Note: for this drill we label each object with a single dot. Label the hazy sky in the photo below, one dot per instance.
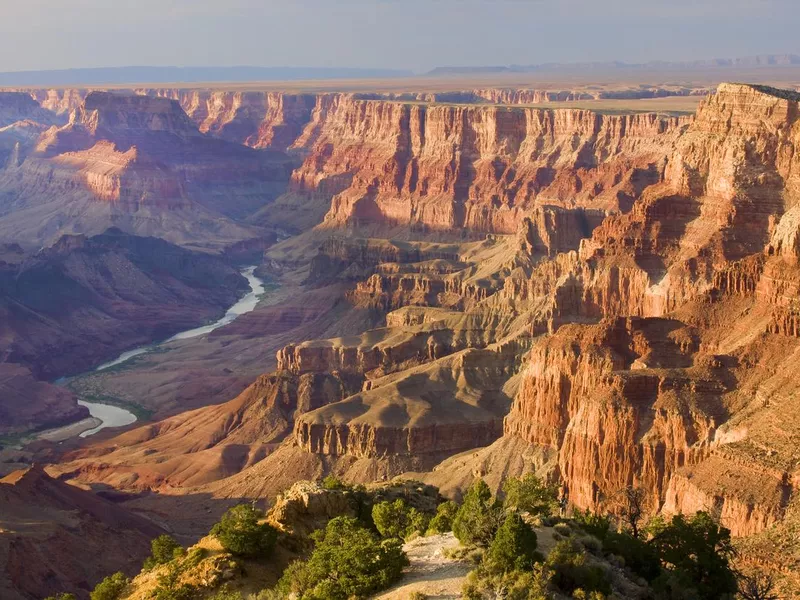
(413, 34)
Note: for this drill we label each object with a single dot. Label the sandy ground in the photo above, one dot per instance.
(59, 434)
(437, 576)
(430, 572)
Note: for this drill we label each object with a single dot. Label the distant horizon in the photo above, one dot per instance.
(621, 62)
(133, 74)
(412, 35)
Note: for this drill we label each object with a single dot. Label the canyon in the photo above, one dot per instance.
(464, 285)
(84, 299)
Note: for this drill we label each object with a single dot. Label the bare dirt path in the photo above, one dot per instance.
(430, 571)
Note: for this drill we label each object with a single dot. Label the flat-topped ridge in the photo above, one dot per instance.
(784, 94)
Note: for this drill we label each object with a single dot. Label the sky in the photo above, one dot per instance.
(405, 34)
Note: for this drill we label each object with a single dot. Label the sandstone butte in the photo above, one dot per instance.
(606, 300)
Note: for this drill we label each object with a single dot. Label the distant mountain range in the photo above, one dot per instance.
(126, 75)
(163, 75)
(762, 60)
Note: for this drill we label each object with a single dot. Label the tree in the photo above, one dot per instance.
(640, 557)
(530, 494)
(442, 522)
(392, 519)
(633, 505)
(479, 516)
(758, 586)
(514, 585)
(241, 533)
(398, 520)
(696, 551)
(162, 550)
(513, 547)
(111, 587)
(348, 561)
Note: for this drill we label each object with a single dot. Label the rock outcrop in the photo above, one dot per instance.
(208, 444)
(256, 119)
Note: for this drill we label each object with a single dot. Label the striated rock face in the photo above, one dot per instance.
(48, 529)
(478, 168)
(450, 405)
(622, 403)
(19, 106)
(536, 96)
(138, 163)
(355, 258)
(60, 101)
(255, 119)
(679, 406)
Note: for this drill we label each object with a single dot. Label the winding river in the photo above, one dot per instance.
(114, 416)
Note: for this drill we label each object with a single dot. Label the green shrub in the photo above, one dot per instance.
(570, 571)
(479, 516)
(563, 529)
(591, 543)
(162, 550)
(584, 595)
(513, 548)
(62, 596)
(442, 522)
(194, 557)
(240, 532)
(398, 520)
(331, 482)
(593, 524)
(418, 522)
(640, 557)
(530, 494)
(418, 596)
(348, 561)
(514, 585)
(111, 587)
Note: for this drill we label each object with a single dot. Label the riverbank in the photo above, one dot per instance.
(106, 415)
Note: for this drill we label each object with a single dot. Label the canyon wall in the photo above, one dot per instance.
(712, 245)
(482, 169)
(639, 327)
(141, 164)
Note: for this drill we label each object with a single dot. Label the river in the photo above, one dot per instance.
(114, 416)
